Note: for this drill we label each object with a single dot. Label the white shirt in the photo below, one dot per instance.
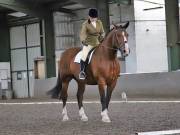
(94, 24)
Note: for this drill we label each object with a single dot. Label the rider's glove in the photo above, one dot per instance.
(84, 43)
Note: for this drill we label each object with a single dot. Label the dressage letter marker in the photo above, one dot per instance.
(167, 132)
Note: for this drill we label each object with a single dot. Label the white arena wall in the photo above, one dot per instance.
(144, 85)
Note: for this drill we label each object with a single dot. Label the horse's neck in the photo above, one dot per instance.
(108, 50)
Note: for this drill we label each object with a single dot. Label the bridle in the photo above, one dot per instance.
(116, 43)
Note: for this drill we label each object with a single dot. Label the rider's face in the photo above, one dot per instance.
(92, 19)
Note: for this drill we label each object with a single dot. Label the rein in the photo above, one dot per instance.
(110, 48)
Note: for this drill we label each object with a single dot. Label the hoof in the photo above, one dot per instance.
(84, 118)
(65, 118)
(83, 115)
(106, 119)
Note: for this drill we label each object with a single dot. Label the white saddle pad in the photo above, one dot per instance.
(79, 56)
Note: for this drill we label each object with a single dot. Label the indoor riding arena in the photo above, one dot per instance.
(35, 36)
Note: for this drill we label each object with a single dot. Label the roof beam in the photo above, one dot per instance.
(57, 5)
(126, 2)
(64, 10)
(87, 3)
(27, 8)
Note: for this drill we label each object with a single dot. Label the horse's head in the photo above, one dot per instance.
(120, 39)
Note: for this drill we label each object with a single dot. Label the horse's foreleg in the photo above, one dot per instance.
(102, 96)
(80, 92)
(108, 97)
(64, 96)
(110, 89)
(104, 113)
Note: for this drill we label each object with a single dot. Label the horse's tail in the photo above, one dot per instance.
(54, 92)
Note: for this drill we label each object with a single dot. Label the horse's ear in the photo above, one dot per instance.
(125, 25)
(114, 25)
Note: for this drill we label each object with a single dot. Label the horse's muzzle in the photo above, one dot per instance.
(125, 51)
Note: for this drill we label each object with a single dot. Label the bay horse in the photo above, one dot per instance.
(103, 70)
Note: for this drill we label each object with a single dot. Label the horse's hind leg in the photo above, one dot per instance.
(64, 96)
(80, 92)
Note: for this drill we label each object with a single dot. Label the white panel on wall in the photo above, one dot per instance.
(4, 78)
(17, 37)
(151, 46)
(18, 60)
(152, 14)
(6, 65)
(33, 35)
(20, 86)
(32, 54)
(31, 83)
(150, 36)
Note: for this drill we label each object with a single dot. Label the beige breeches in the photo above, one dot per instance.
(85, 51)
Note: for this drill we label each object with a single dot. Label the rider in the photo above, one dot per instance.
(92, 33)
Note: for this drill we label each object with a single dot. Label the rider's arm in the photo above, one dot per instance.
(83, 34)
(102, 32)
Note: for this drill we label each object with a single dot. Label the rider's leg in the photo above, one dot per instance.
(85, 52)
(82, 74)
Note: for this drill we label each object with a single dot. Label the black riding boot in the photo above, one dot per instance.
(82, 74)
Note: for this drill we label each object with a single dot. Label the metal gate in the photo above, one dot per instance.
(25, 46)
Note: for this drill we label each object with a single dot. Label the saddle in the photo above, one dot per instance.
(88, 59)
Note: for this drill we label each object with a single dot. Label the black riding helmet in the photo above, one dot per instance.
(93, 13)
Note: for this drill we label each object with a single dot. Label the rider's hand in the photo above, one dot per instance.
(84, 43)
(101, 40)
